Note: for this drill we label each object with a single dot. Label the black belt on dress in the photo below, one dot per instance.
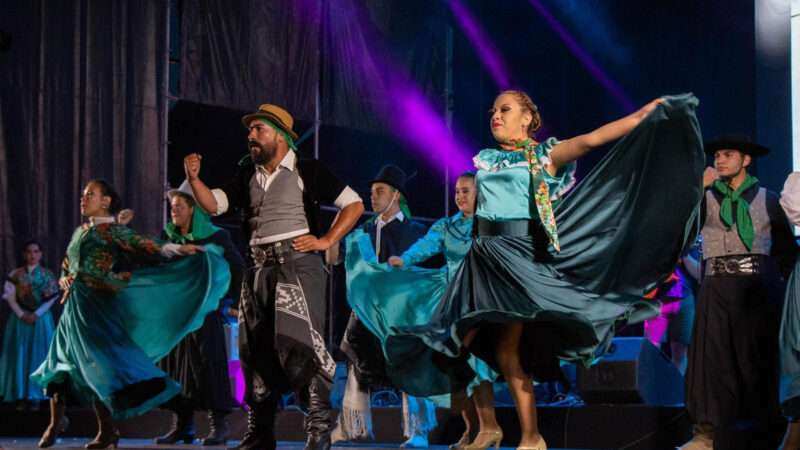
(736, 265)
(275, 253)
(519, 227)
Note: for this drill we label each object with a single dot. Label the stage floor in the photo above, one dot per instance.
(75, 443)
(633, 427)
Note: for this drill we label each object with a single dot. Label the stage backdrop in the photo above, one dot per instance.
(82, 95)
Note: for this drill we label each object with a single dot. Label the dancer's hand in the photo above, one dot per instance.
(709, 176)
(66, 282)
(191, 165)
(396, 261)
(648, 108)
(29, 318)
(310, 243)
(190, 249)
(125, 216)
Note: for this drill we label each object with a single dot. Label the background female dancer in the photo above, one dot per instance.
(199, 362)
(452, 236)
(30, 291)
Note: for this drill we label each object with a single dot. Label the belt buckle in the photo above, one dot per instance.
(732, 266)
(259, 255)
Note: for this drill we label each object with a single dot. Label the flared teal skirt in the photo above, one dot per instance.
(621, 230)
(105, 346)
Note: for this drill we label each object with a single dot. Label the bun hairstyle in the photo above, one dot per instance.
(468, 174)
(527, 105)
(108, 190)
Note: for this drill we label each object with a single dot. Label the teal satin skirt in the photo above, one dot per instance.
(24, 349)
(621, 230)
(105, 346)
(386, 299)
(790, 348)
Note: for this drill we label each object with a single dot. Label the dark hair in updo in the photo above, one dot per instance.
(468, 174)
(108, 190)
(527, 105)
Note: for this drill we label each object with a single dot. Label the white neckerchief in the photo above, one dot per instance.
(99, 220)
(379, 224)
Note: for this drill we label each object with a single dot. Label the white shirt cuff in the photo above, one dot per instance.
(790, 198)
(222, 201)
(346, 197)
(170, 250)
(44, 307)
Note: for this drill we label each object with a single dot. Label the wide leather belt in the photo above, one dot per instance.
(522, 227)
(725, 266)
(275, 253)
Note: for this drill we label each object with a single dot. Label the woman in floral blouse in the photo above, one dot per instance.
(121, 314)
(30, 291)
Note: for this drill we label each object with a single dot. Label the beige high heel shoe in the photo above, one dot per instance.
(486, 439)
(541, 445)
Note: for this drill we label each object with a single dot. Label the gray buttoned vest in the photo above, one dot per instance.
(280, 209)
(718, 240)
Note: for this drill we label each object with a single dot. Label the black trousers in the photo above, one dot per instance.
(732, 375)
(281, 324)
(200, 364)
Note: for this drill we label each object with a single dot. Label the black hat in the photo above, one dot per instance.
(393, 176)
(736, 142)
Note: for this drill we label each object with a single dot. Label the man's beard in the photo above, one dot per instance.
(260, 154)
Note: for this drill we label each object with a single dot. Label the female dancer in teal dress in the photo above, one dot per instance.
(30, 292)
(118, 321)
(790, 327)
(452, 236)
(547, 277)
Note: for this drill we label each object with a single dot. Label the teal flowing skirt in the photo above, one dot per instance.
(621, 229)
(24, 349)
(105, 346)
(386, 298)
(790, 348)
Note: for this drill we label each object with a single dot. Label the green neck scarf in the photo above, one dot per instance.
(201, 228)
(732, 199)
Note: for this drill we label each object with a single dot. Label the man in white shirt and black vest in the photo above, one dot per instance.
(391, 232)
(748, 246)
(283, 306)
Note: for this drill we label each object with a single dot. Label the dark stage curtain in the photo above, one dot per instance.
(82, 96)
(371, 49)
(242, 53)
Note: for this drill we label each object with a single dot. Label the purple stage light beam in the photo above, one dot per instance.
(424, 129)
(584, 58)
(489, 56)
(409, 116)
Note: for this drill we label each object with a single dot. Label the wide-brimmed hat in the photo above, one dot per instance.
(275, 114)
(184, 189)
(393, 176)
(740, 142)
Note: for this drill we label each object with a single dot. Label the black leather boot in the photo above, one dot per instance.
(107, 433)
(260, 433)
(217, 428)
(318, 423)
(182, 429)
